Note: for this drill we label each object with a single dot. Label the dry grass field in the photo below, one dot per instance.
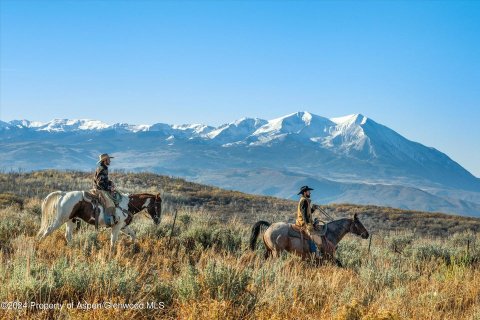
(417, 265)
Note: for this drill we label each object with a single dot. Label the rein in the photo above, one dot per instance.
(325, 213)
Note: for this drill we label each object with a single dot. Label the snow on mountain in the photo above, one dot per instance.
(299, 124)
(127, 127)
(235, 131)
(25, 124)
(65, 125)
(191, 131)
(348, 136)
(353, 150)
(61, 125)
(353, 135)
(349, 119)
(194, 130)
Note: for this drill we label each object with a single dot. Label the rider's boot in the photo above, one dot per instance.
(317, 240)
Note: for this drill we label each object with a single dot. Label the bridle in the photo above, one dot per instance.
(353, 225)
(155, 204)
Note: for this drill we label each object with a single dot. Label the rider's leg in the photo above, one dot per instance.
(313, 247)
(317, 242)
(110, 207)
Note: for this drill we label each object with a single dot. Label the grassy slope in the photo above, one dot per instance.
(225, 204)
(206, 271)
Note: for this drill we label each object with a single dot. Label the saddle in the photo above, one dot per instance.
(91, 195)
(298, 232)
(96, 199)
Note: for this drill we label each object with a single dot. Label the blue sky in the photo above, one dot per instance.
(412, 66)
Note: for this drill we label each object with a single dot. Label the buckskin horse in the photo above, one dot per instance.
(277, 237)
(61, 207)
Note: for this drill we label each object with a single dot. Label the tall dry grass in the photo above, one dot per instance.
(205, 271)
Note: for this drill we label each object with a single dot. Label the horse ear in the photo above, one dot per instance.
(158, 196)
(355, 217)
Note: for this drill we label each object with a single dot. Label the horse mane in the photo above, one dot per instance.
(339, 222)
(144, 194)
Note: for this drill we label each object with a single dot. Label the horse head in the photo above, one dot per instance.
(151, 202)
(157, 209)
(357, 228)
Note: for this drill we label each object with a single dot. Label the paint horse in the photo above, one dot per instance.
(277, 237)
(61, 207)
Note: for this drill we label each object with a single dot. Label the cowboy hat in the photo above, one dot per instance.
(304, 188)
(104, 156)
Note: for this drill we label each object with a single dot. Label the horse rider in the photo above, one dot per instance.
(104, 187)
(305, 220)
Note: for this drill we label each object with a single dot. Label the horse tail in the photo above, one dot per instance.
(50, 210)
(255, 232)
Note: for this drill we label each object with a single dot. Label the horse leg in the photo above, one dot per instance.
(114, 236)
(78, 224)
(128, 231)
(338, 263)
(268, 251)
(54, 226)
(69, 230)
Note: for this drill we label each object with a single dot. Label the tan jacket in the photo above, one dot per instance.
(304, 213)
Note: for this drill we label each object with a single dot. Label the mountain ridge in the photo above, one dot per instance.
(350, 151)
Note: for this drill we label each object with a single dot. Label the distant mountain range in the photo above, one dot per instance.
(348, 159)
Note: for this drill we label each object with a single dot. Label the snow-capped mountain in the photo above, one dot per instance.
(60, 125)
(348, 159)
(300, 126)
(236, 131)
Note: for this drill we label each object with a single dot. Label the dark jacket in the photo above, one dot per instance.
(101, 181)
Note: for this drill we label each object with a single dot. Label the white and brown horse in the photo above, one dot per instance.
(277, 237)
(61, 207)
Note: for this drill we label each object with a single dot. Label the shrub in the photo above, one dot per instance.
(187, 284)
(398, 243)
(9, 199)
(426, 252)
(219, 237)
(87, 240)
(13, 223)
(153, 231)
(162, 292)
(224, 282)
(197, 235)
(226, 239)
(185, 219)
(349, 253)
